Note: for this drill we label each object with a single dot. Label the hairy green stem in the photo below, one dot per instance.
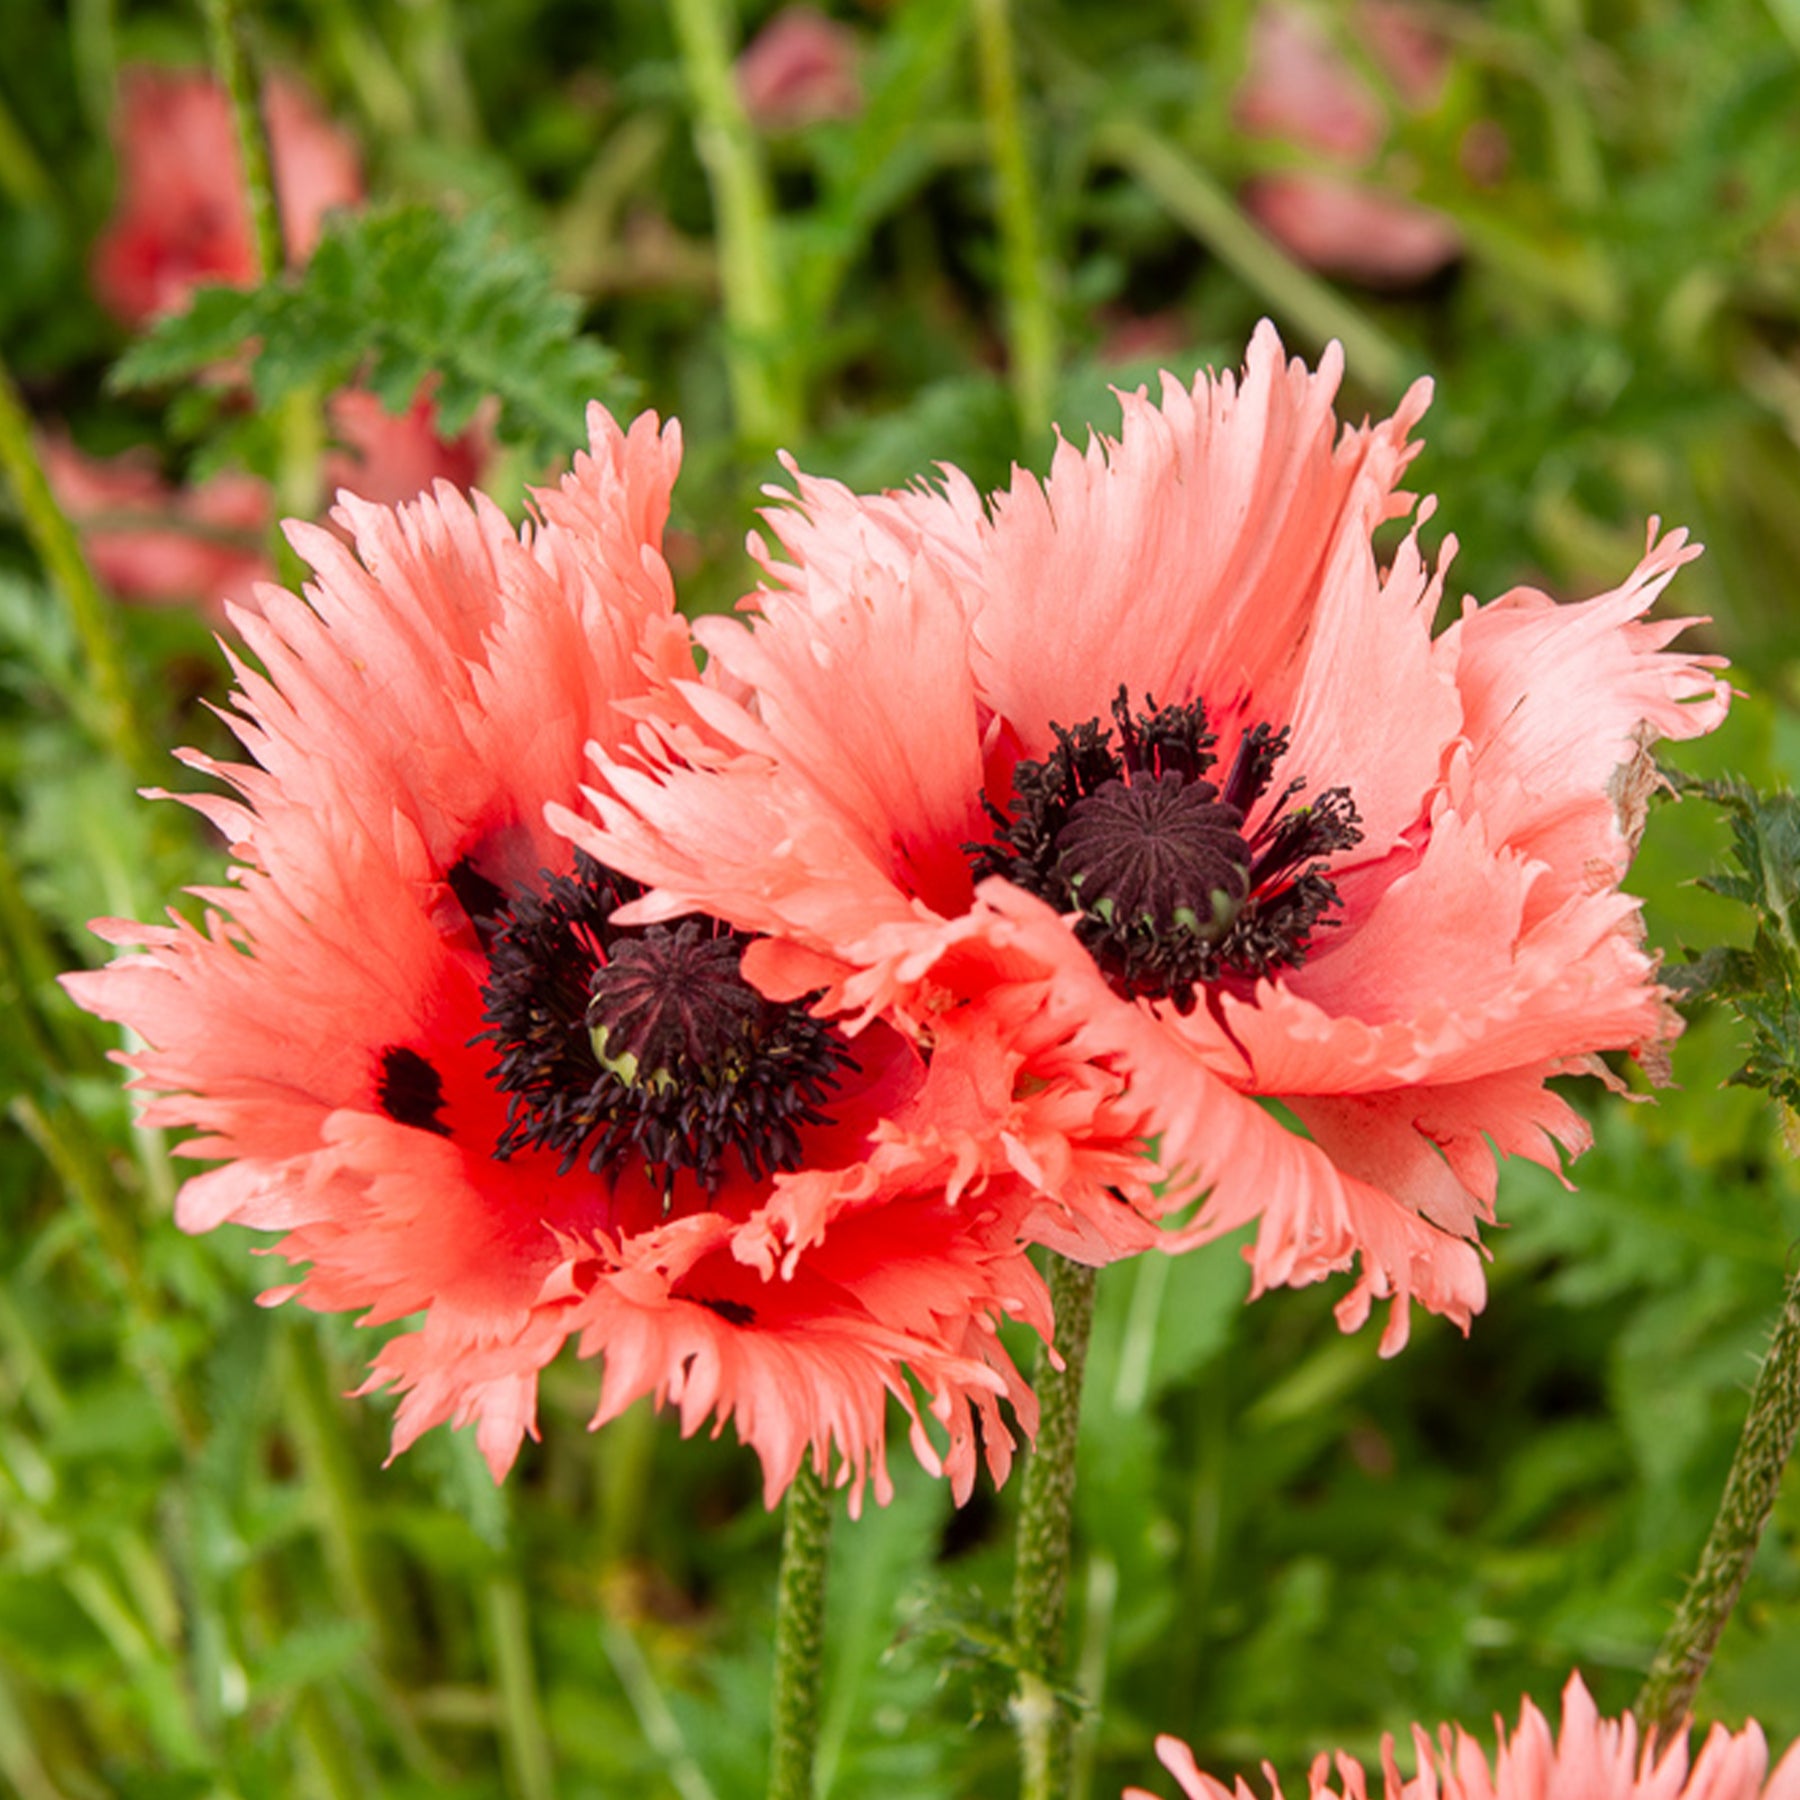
(59, 550)
(1308, 304)
(1030, 313)
(231, 63)
(1751, 1490)
(1041, 1570)
(763, 391)
(799, 1635)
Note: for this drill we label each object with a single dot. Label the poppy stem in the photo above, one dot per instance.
(231, 63)
(1751, 1490)
(763, 391)
(799, 1635)
(1041, 1710)
(1030, 309)
(114, 716)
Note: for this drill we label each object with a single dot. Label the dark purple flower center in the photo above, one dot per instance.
(1121, 825)
(642, 1045)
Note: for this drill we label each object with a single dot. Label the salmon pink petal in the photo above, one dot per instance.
(1559, 703)
(1184, 558)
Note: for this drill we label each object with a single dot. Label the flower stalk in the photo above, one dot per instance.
(231, 63)
(799, 1635)
(761, 395)
(1751, 1490)
(1041, 1570)
(1031, 315)
(115, 716)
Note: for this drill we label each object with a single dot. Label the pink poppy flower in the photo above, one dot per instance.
(800, 68)
(416, 1047)
(390, 457)
(1298, 89)
(155, 544)
(1162, 733)
(1591, 1758)
(182, 219)
(182, 222)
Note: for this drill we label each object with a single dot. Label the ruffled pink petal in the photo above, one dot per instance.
(1559, 703)
(409, 723)
(1185, 557)
(1590, 1758)
(891, 1292)
(1370, 638)
(836, 703)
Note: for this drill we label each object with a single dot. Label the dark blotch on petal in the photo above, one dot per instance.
(733, 1312)
(410, 1091)
(480, 898)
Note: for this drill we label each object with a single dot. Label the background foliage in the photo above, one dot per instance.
(210, 1585)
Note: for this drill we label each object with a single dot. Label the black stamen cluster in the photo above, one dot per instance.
(644, 1045)
(1120, 824)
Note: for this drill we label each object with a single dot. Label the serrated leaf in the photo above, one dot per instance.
(393, 300)
(1762, 982)
(216, 324)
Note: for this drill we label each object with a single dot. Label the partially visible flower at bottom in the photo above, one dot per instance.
(1591, 1758)
(415, 1044)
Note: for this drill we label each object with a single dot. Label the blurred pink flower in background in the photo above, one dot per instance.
(155, 543)
(182, 218)
(183, 222)
(1300, 89)
(389, 457)
(158, 544)
(800, 68)
(1590, 1759)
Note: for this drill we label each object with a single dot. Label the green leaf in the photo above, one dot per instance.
(1762, 982)
(395, 299)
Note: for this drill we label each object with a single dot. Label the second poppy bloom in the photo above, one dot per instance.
(1165, 730)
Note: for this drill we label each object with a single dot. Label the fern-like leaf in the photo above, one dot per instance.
(1761, 982)
(392, 298)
